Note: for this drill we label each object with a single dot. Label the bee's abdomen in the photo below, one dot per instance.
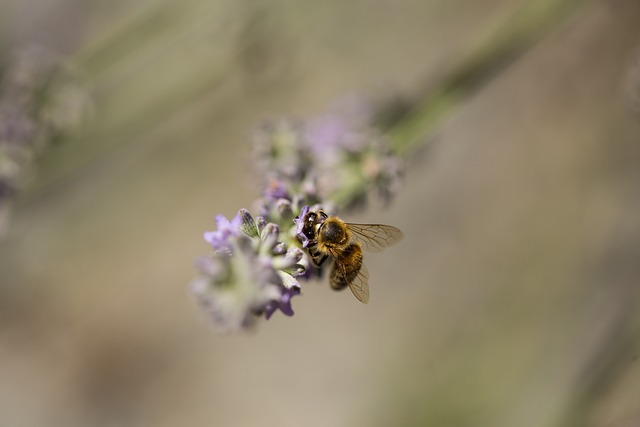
(346, 266)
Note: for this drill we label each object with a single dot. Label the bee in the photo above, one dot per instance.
(331, 237)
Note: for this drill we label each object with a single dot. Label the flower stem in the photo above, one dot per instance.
(490, 57)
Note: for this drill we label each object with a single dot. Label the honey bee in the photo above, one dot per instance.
(329, 236)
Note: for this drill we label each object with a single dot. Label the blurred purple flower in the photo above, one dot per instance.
(250, 272)
(219, 239)
(332, 136)
(41, 99)
(275, 189)
(279, 150)
(283, 303)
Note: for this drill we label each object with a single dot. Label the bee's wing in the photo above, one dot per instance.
(375, 237)
(360, 285)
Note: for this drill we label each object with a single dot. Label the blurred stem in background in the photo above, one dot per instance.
(152, 31)
(477, 69)
(605, 367)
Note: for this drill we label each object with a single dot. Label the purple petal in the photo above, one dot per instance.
(276, 189)
(219, 239)
(284, 303)
(326, 133)
(299, 222)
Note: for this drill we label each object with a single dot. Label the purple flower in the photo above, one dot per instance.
(299, 222)
(346, 129)
(331, 137)
(289, 261)
(40, 101)
(279, 150)
(326, 134)
(234, 287)
(283, 303)
(16, 126)
(276, 189)
(250, 273)
(219, 239)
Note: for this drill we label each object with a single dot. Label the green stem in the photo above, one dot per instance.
(536, 19)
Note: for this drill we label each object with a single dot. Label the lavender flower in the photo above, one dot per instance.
(299, 226)
(233, 288)
(347, 127)
(220, 239)
(334, 162)
(339, 157)
(41, 100)
(279, 150)
(250, 273)
(284, 303)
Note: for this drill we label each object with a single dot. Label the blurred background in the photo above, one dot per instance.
(512, 301)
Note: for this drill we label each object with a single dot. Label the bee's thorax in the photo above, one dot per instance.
(333, 232)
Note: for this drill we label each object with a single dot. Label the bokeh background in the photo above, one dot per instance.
(512, 301)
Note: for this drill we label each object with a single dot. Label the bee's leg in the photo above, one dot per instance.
(318, 259)
(316, 256)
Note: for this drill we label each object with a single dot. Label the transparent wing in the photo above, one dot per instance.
(360, 285)
(375, 237)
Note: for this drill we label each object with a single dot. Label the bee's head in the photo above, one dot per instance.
(309, 225)
(312, 221)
